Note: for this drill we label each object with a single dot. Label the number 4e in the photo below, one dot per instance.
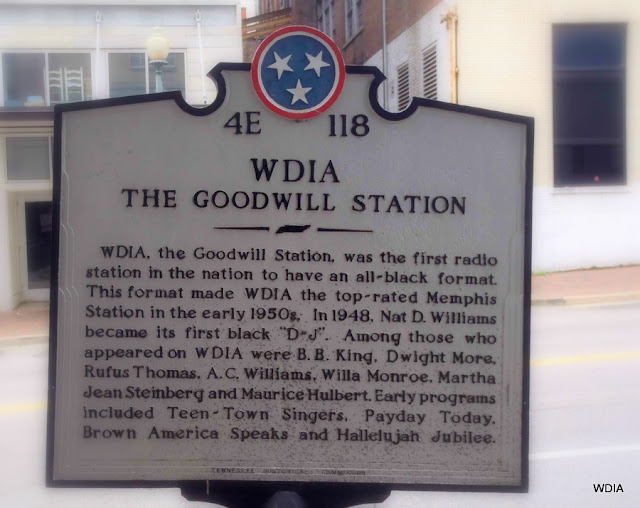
(250, 126)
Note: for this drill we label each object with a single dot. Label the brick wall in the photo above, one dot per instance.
(304, 12)
(249, 48)
(401, 14)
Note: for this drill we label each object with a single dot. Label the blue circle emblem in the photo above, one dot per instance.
(298, 72)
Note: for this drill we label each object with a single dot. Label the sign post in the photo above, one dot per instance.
(290, 288)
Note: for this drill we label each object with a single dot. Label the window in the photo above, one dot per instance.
(403, 86)
(74, 72)
(129, 74)
(353, 18)
(126, 75)
(589, 104)
(325, 17)
(173, 74)
(28, 158)
(430, 73)
(40, 79)
(23, 75)
(137, 60)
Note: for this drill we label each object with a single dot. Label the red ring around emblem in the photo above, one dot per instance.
(340, 72)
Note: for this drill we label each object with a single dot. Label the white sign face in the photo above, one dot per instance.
(246, 296)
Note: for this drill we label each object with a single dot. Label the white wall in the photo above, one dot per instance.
(6, 300)
(505, 64)
(584, 228)
(505, 61)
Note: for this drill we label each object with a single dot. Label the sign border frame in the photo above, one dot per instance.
(216, 75)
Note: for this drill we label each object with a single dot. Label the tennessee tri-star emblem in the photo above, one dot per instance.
(298, 72)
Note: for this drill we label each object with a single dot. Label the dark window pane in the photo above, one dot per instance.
(589, 164)
(39, 227)
(172, 74)
(126, 75)
(23, 75)
(589, 106)
(588, 46)
(27, 158)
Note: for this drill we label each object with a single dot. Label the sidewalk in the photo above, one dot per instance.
(598, 285)
(30, 321)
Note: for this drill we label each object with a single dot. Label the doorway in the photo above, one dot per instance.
(36, 227)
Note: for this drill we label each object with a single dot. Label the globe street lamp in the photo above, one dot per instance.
(157, 51)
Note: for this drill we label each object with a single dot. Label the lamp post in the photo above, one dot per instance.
(157, 51)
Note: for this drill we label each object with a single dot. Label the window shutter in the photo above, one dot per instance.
(430, 73)
(403, 86)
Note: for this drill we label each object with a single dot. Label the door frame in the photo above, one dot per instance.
(27, 294)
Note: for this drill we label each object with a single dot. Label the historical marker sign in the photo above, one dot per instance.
(291, 284)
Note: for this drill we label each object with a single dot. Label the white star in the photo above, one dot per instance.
(281, 64)
(316, 63)
(299, 93)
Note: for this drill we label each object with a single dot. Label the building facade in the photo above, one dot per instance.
(570, 64)
(573, 66)
(266, 16)
(52, 53)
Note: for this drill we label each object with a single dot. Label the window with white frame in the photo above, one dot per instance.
(129, 74)
(404, 97)
(28, 158)
(45, 78)
(353, 18)
(326, 22)
(430, 73)
(589, 104)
